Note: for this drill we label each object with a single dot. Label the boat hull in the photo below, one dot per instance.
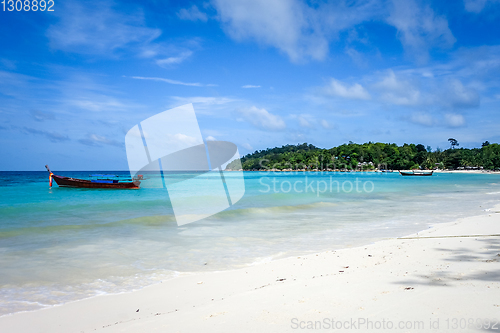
(75, 182)
(415, 174)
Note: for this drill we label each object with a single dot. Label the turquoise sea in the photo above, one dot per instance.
(63, 244)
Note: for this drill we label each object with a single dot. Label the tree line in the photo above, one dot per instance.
(372, 155)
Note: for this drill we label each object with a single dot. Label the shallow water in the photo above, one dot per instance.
(63, 244)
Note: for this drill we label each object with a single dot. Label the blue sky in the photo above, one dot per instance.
(259, 74)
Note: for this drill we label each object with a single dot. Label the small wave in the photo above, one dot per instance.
(273, 209)
(264, 260)
(154, 220)
(13, 298)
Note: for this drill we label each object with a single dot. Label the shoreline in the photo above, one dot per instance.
(275, 292)
(489, 172)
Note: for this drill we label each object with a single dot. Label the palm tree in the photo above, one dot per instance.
(453, 142)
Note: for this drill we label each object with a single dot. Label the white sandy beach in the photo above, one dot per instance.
(429, 282)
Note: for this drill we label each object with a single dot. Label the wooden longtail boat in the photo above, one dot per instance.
(413, 173)
(94, 183)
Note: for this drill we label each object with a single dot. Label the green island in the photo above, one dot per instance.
(371, 156)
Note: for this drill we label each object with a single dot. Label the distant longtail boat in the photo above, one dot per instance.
(417, 173)
(93, 183)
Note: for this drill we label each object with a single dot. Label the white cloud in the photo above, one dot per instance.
(95, 28)
(97, 103)
(181, 140)
(300, 30)
(210, 138)
(9, 64)
(325, 124)
(192, 14)
(99, 140)
(460, 96)
(101, 28)
(62, 99)
(42, 116)
(448, 119)
(166, 55)
(419, 28)
(247, 146)
(219, 107)
(356, 56)
(196, 84)
(303, 122)
(454, 120)
(337, 88)
(52, 136)
(303, 30)
(480, 62)
(249, 86)
(296, 136)
(423, 119)
(204, 100)
(280, 23)
(397, 91)
(477, 6)
(174, 60)
(14, 84)
(262, 119)
(423, 94)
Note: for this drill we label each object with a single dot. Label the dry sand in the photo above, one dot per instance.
(434, 282)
